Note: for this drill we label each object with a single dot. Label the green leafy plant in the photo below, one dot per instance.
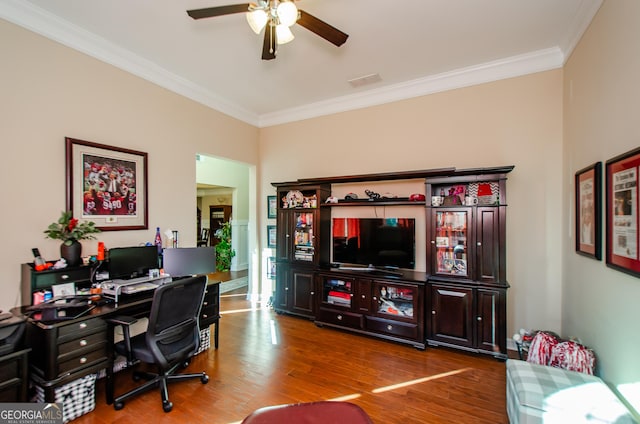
(69, 229)
(224, 252)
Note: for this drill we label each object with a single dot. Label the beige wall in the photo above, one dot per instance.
(601, 104)
(510, 122)
(50, 92)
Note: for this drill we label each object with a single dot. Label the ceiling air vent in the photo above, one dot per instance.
(364, 80)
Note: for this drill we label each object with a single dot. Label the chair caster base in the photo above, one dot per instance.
(118, 406)
(167, 406)
(204, 379)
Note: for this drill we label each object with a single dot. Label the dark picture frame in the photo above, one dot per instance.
(272, 206)
(107, 185)
(588, 188)
(271, 236)
(622, 212)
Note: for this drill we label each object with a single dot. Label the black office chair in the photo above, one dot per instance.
(204, 238)
(172, 337)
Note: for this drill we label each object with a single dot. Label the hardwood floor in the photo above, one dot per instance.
(268, 359)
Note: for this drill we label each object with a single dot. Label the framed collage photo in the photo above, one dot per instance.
(107, 185)
(272, 206)
(271, 236)
(588, 186)
(622, 212)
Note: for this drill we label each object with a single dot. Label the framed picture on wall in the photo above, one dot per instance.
(107, 185)
(271, 268)
(588, 186)
(622, 212)
(271, 236)
(272, 206)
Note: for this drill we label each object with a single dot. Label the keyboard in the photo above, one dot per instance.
(140, 287)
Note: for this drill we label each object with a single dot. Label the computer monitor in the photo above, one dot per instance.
(132, 262)
(186, 261)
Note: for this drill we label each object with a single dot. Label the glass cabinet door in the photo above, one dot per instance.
(395, 300)
(337, 292)
(451, 242)
(303, 242)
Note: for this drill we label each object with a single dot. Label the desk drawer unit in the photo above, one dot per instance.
(13, 377)
(210, 312)
(68, 348)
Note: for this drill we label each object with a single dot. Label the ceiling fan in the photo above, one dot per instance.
(275, 16)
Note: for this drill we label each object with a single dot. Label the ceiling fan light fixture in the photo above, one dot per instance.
(283, 34)
(257, 20)
(287, 13)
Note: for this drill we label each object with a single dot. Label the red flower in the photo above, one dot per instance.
(72, 224)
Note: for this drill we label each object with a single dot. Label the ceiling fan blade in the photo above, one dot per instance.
(269, 43)
(210, 12)
(323, 29)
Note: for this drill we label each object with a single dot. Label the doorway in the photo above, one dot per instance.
(218, 215)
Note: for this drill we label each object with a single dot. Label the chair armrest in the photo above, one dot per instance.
(122, 320)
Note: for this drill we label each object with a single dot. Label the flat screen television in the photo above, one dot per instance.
(186, 261)
(132, 262)
(380, 242)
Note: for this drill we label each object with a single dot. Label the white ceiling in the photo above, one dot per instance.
(416, 46)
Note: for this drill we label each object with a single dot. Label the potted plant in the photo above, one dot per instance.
(224, 252)
(70, 230)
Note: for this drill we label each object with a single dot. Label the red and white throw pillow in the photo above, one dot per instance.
(572, 356)
(541, 347)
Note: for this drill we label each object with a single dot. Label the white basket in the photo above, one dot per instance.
(77, 398)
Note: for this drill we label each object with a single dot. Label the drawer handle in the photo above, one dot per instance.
(479, 243)
(350, 294)
(364, 296)
(375, 298)
(205, 316)
(64, 276)
(433, 312)
(312, 293)
(339, 317)
(83, 325)
(479, 318)
(433, 242)
(389, 327)
(205, 303)
(83, 342)
(83, 360)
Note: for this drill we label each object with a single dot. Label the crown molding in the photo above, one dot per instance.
(50, 26)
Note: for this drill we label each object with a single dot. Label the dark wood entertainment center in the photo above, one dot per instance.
(459, 301)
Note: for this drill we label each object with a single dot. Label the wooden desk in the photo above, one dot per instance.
(64, 351)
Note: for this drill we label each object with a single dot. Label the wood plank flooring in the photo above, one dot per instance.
(269, 359)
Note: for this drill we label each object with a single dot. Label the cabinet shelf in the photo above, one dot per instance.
(401, 201)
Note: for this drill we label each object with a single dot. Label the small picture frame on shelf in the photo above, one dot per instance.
(588, 191)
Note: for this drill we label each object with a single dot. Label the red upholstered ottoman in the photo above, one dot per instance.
(324, 412)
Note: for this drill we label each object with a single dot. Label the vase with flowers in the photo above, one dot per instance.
(70, 230)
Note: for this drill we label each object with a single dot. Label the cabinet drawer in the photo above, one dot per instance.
(46, 279)
(82, 342)
(345, 319)
(394, 328)
(9, 370)
(79, 329)
(209, 313)
(84, 359)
